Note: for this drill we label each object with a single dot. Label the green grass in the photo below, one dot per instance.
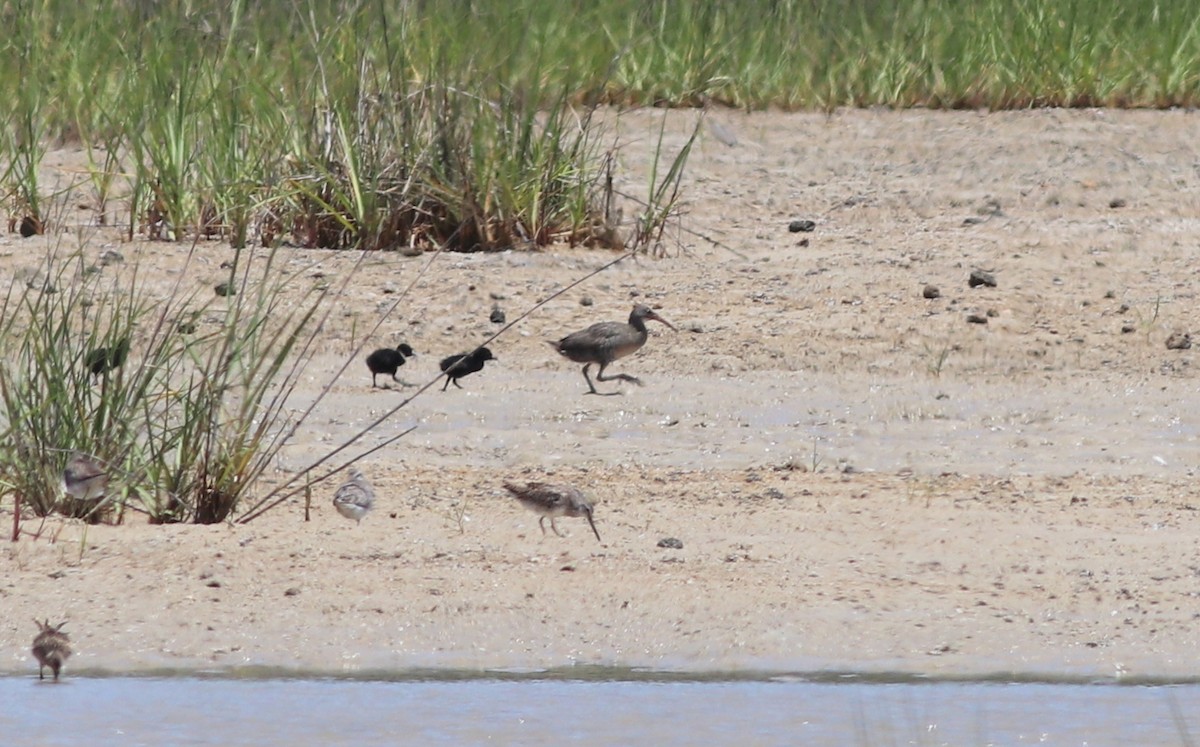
(464, 124)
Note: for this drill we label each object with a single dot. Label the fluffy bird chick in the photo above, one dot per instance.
(104, 359)
(457, 366)
(51, 647)
(84, 479)
(354, 498)
(388, 361)
(551, 501)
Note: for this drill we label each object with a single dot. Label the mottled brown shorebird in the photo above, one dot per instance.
(355, 497)
(388, 361)
(51, 648)
(457, 366)
(84, 478)
(605, 342)
(548, 500)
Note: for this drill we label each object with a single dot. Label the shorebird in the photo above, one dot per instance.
(457, 366)
(84, 478)
(51, 647)
(355, 497)
(104, 359)
(388, 361)
(550, 500)
(605, 342)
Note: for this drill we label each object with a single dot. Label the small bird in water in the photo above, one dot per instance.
(104, 359)
(457, 366)
(550, 500)
(605, 342)
(51, 648)
(84, 478)
(355, 497)
(388, 361)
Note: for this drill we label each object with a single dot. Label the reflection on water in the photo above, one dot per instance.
(529, 710)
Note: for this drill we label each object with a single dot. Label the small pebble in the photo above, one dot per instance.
(931, 291)
(976, 319)
(802, 226)
(670, 543)
(224, 289)
(498, 316)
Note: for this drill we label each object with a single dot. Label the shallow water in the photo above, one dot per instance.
(754, 419)
(529, 710)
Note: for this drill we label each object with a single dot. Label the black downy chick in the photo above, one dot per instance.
(457, 366)
(104, 359)
(388, 361)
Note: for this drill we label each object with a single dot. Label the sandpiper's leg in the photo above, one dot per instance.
(401, 381)
(542, 524)
(622, 376)
(588, 379)
(555, 527)
(456, 384)
(448, 380)
(600, 377)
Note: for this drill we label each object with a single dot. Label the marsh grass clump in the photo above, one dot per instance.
(418, 126)
(182, 428)
(334, 126)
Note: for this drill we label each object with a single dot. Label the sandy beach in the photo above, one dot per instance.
(862, 474)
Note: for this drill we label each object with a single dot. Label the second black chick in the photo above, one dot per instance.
(388, 361)
(457, 366)
(104, 359)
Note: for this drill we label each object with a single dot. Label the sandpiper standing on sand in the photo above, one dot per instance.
(605, 342)
(355, 497)
(51, 648)
(550, 500)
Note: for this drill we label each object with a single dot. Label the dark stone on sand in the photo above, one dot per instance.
(981, 277)
(976, 319)
(670, 543)
(224, 289)
(1179, 341)
(802, 226)
(931, 291)
(1117, 202)
(30, 226)
(498, 316)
